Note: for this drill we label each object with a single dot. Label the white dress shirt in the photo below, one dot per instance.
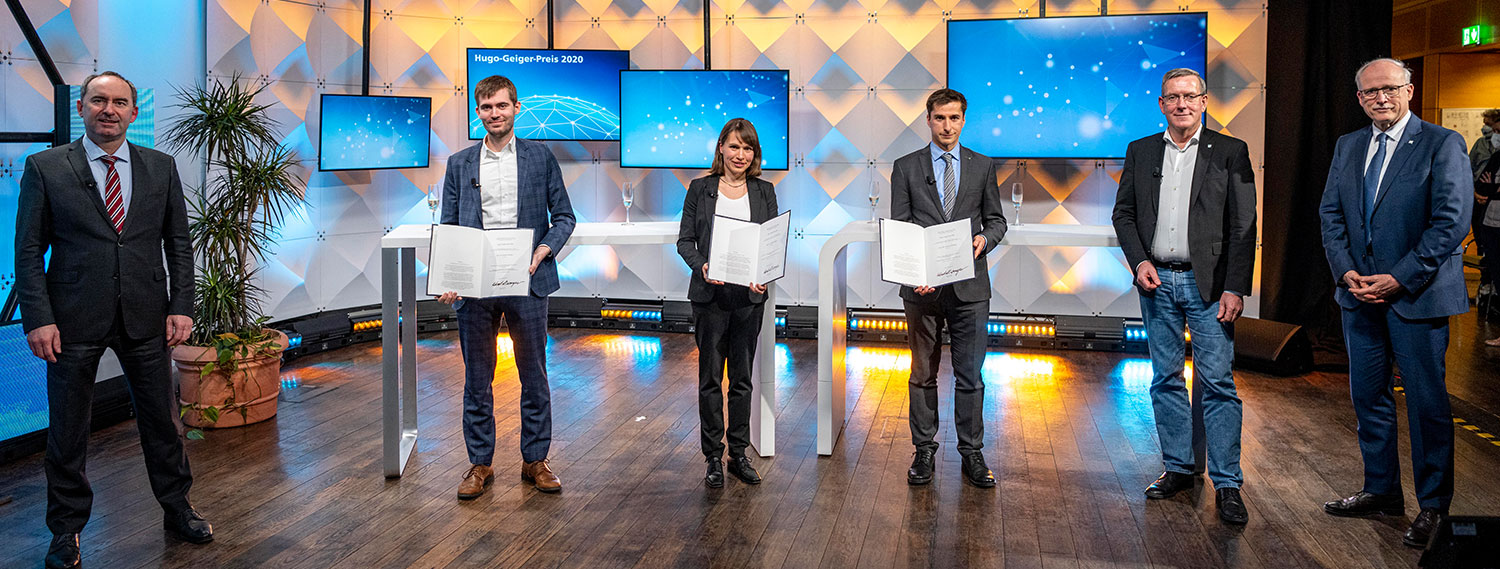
(1390, 147)
(499, 187)
(100, 171)
(1170, 244)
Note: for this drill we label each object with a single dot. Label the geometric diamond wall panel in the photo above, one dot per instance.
(860, 74)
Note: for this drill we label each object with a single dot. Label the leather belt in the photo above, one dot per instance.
(1183, 267)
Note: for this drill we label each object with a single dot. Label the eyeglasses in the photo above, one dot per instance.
(1189, 98)
(1389, 92)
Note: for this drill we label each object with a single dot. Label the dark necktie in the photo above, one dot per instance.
(1372, 181)
(114, 200)
(950, 186)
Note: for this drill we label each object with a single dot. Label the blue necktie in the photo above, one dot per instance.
(1372, 182)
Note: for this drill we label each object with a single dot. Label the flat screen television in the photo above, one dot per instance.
(23, 388)
(671, 119)
(368, 132)
(1068, 87)
(565, 94)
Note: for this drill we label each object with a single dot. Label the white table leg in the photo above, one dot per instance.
(763, 374)
(408, 323)
(398, 357)
(833, 329)
(390, 371)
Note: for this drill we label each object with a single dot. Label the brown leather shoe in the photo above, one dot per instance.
(539, 474)
(475, 481)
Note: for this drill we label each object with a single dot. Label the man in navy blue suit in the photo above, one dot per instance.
(1395, 212)
(507, 182)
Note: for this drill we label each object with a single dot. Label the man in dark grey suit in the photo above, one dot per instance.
(507, 182)
(940, 183)
(1185, 216)
(108, 212)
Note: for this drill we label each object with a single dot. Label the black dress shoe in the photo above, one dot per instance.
(921, 466)
(976, 472)
(63, 553)
(1422, 528)
(1231, 506)
(1169, 484)
(1365, 504)
(188, 526)
(741, 468)
(715, 476)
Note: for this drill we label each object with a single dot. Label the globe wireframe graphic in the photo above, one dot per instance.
(559, 117)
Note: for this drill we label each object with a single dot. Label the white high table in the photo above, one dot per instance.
(398, 263)
(833, 303)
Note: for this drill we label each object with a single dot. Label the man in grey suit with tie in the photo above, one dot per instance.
(507, 182)
(108, 212)
(939, 183)
(1395, 212)
(1185, 216)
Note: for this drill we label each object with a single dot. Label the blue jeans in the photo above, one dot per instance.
(1175, 303)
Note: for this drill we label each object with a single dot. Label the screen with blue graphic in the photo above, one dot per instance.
(565, 94)
(369, 133)
(671, 119)
(1070, 87)
(23, 386)
(142, 132)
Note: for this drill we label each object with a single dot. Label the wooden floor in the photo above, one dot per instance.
(1069, 436)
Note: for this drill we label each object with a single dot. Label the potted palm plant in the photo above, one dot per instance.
(230, 367)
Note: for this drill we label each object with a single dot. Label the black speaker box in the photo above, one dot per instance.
(1273, 347)
(325, 326)
(572, 307)
(1464, 542)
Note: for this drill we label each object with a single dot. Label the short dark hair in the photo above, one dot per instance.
(1492, 115)
(488, 86)
(84, 93)
(944, 96)
(746, 132)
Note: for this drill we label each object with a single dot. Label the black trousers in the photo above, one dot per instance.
(727, 330)
(967, 337)
(1488, 239)
(70, 401)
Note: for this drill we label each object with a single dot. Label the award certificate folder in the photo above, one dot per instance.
(745, 253)
(477, 263)
(918, 256)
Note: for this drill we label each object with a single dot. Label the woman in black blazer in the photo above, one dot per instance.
(727, 316)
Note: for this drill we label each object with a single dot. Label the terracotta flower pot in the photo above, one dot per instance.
(254, 385)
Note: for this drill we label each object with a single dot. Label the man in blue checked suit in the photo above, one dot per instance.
(1395, 212)
(507, 182)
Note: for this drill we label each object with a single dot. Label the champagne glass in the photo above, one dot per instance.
(874, 200)
(432, 200)
(627, 197)
(1015, 198)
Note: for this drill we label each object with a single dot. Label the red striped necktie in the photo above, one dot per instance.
(114, 199)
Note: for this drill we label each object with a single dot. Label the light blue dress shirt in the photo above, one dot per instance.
(940, 169)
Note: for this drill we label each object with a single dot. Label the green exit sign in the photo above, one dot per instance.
(1471, 36)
